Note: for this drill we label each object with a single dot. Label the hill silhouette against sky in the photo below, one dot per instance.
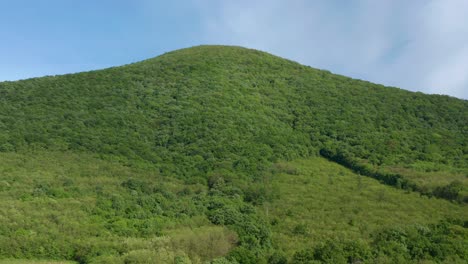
(212, 139)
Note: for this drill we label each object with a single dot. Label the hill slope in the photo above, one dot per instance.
(220, 118)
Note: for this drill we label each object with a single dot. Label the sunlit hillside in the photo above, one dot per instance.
(219, 154)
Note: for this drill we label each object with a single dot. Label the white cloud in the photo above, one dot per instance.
(451, 73)
(415, 45)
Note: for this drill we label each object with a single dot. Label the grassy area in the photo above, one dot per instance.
(80, 207)
(430, 175)
(31, 261)
(324, 200)
(77, 206)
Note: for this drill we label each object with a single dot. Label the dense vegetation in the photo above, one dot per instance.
(189, 157)
(330, 214)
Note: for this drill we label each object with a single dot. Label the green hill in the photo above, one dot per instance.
(226, 153)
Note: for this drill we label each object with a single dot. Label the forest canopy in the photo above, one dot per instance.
(200, 139)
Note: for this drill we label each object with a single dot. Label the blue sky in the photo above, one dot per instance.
(418, 45)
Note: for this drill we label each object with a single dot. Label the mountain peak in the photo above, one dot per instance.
(233, 148)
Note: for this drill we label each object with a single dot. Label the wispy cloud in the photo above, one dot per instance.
(415, 45)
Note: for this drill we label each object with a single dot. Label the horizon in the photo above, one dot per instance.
(416, 47)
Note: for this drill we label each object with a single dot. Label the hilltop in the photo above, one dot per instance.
(203, 139)
(190, 110)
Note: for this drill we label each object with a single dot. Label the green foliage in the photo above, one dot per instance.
(339, 252)
(300, 229)
(186, 158)
(243, 255)
(108, 213)
(346, 222)
(441, 242)
(278, 258)
(413, 244)
(450, 191)
(214, 108)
